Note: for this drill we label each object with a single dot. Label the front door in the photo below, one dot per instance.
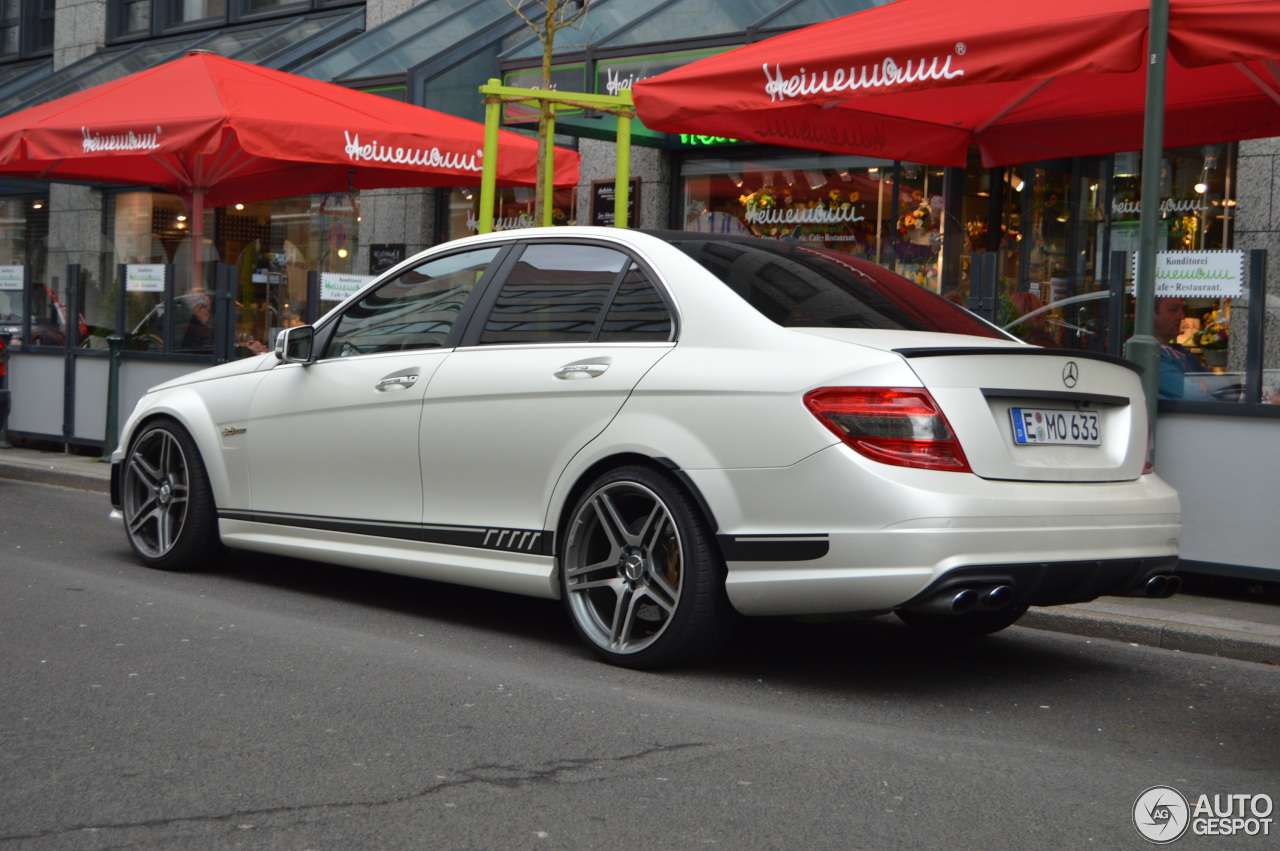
(334, 444)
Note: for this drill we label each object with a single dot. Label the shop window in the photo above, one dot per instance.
(24, 231)
(273, 248)
(895, 216)
(1200, 324)
(513, 208)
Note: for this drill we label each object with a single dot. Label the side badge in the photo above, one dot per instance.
(232, 431)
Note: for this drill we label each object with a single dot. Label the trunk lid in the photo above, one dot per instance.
(1025, 413)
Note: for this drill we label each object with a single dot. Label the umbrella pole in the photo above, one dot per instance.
(1143, 348)
(197, 239)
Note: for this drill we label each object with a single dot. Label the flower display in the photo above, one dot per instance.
(1216, 333)
(917, 218)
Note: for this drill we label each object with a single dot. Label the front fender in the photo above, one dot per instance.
(215, 414)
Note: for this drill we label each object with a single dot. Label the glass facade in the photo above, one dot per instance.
(272, 248)
(894, 214)
(513, 208)
(24, 233)
(1045, 250)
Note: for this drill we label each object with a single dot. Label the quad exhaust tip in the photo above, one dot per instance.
(1162, 587)
(957, 602)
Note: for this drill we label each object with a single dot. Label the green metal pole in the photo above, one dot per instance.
(112, 436)
(549, 171)
(622, 178)
(489, 169)
(1143, 348)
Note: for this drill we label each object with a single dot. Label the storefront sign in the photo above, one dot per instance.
(703, 141)
(614, 75)
(383, 257)
(144, 278)
(886, 74)
(1120, 207)
(523, 220)
(336, 287)
(1207, 274)
(564, 78)
(11, 277)
(802, 215)
(602, 202)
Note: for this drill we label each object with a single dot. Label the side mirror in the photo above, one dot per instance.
(293, 345)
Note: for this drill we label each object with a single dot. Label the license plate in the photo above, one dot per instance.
(1044, 427)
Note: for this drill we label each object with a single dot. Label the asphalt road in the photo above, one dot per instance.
(288, 705)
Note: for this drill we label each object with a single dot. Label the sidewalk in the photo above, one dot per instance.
(1213, 617)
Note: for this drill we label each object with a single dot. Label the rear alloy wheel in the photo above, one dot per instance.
(967, 625)
(167, 503)
(642, 577)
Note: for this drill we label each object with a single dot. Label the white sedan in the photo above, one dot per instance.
(664, 430)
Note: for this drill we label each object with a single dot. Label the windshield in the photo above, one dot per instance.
(802, 287)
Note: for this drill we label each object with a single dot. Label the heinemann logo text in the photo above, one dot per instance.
(887, 73)
(128, 141)
(426, 157)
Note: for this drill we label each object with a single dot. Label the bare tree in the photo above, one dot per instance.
(555, 15)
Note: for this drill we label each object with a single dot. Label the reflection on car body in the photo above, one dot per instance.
(664, 430)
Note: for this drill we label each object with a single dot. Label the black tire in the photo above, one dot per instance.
(967, 625)
(641, 575)
(168, 507)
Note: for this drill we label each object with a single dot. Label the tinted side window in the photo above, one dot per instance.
(414, 310)
(637, 313)
(554, 294)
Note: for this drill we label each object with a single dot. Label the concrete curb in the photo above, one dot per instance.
(49, 475)
(1150, 632)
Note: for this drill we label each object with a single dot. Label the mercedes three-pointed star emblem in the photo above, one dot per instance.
(1070, 374)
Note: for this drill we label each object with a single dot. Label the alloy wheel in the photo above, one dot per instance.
(156, 488)
(624, 567)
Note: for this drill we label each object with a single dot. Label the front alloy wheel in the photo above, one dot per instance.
(642, 578)
(167, 504)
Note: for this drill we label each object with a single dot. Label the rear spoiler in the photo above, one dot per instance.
(955, 351)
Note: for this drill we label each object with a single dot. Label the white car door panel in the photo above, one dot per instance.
(338, 438)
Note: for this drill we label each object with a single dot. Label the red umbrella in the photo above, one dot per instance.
(217, 131)
(922, 80)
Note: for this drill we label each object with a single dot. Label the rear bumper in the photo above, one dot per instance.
(837, 533)
(1052, 583)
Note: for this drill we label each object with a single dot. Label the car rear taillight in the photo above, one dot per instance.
(1149, 463)
(894, 425)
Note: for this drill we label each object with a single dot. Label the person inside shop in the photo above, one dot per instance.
(198, 334)
(1175, 361)
(1035, 330)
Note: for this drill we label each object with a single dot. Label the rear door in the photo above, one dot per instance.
(547, 362)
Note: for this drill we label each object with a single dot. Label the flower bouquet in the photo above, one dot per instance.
(1216, 334)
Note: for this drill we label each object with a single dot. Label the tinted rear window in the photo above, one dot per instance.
(802, 287)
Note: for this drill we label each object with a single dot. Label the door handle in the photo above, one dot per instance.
(581, 369)
(396, 382)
